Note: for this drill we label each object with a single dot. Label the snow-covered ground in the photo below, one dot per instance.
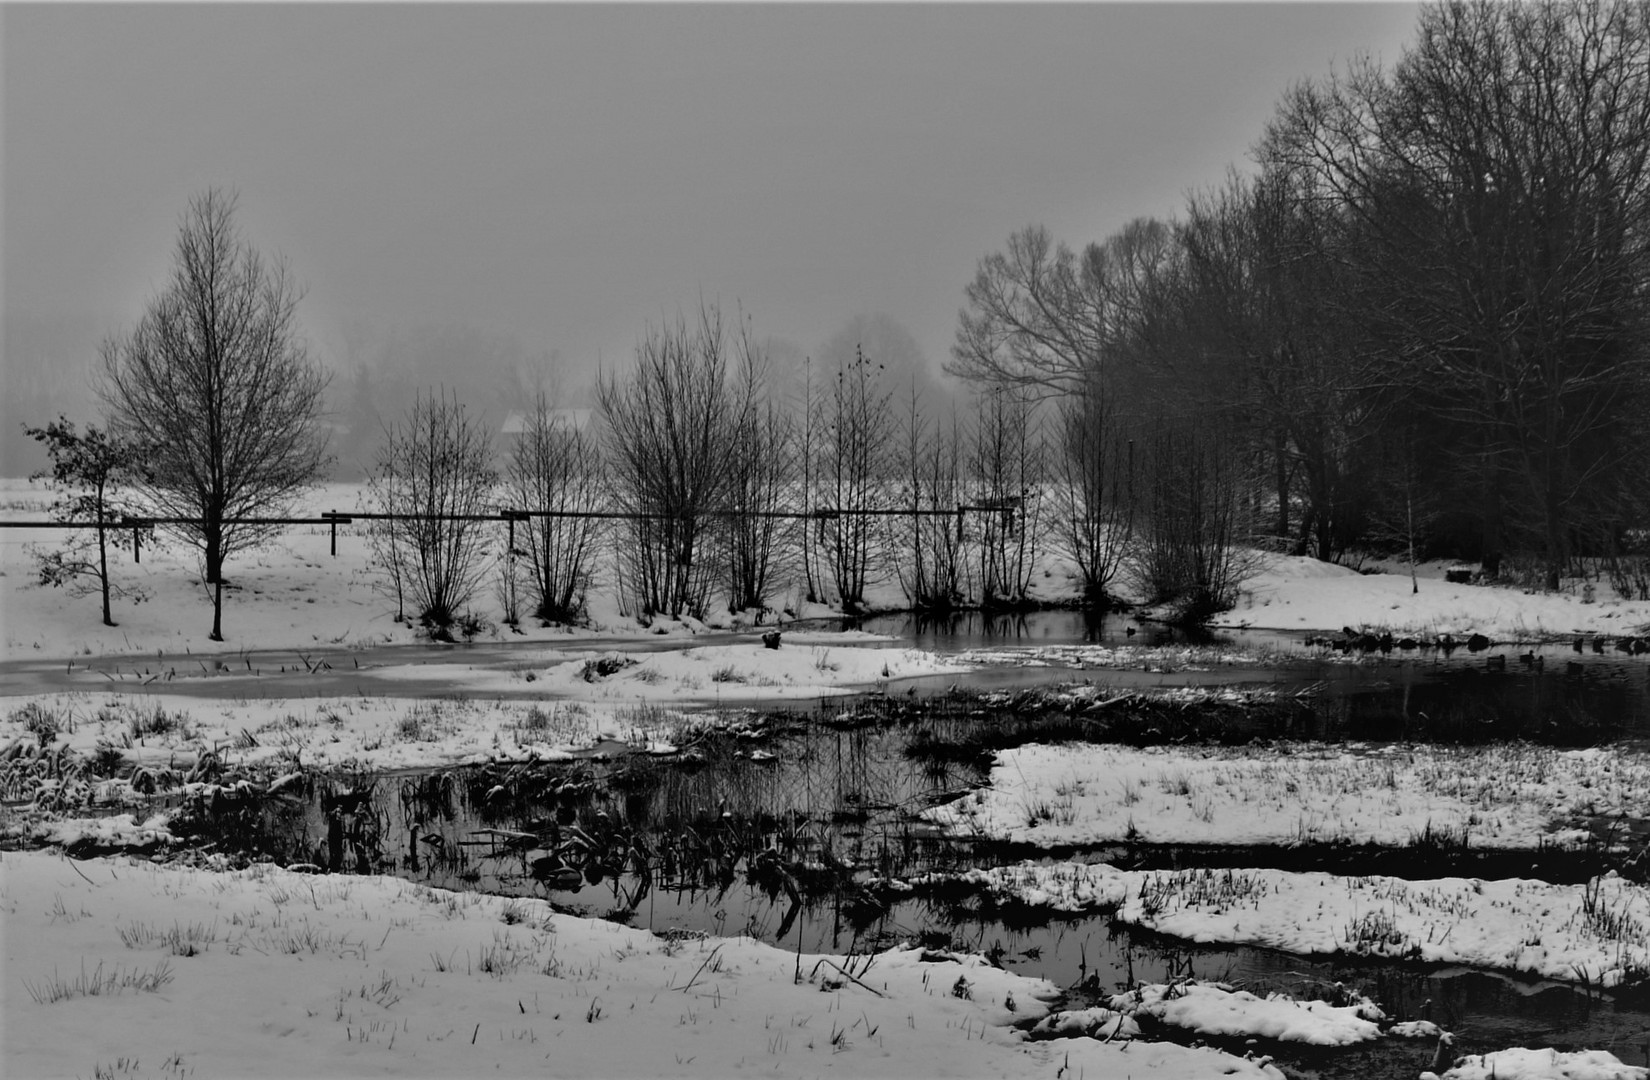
(1504, 795)
(1520, 1063)
(1220, 1010)
(1598, 932)
(118, 967)
(123, 967)
(1296, 593)
(293, 594)
(573, 706)
(805, 665)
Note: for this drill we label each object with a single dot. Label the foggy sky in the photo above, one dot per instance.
(562, 175)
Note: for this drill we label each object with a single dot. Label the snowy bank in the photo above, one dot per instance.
(169, 971)
(1597, 933)
(1296, 593)
(1505, 795)
(1522, 1064)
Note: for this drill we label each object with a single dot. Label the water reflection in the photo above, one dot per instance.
(958, 631)
(790, 840)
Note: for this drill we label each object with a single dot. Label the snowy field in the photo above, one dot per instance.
(293, 594)
(119, 967)
(1297, 593)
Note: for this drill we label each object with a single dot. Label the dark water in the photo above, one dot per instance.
(1400, 694)
(789, 839)
(962, 630)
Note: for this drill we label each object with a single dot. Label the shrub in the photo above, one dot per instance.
(433, 472)
(37, 721)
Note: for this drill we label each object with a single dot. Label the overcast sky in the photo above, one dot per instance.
(564, 174)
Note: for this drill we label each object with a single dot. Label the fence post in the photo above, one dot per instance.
(336, 519)
(510, 518)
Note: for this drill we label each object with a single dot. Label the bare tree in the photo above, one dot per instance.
(89, 471)
(760, 477)
(1006, 462)
(1042, 316)
(554, 466)
(434, 472)
(1094, 488)
(668, 431)
(855, 470)
(1190, 555)
(1406, 505)
(932, 574)
(811, 425)
(217, 380)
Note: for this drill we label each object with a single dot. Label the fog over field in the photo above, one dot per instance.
(492, 196)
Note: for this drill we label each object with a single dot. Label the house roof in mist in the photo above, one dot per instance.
(574, 419)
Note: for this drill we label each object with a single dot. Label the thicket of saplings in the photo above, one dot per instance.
(725, 493)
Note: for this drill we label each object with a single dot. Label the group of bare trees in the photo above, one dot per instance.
(725, 493)
(436, 484)
(1421, 324)
(734, 487)
(727, 488)
(215, 420)
(690, 457)
(1143, 485)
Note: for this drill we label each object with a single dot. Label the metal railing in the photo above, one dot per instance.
(1009, 509)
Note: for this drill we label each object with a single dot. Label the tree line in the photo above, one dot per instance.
(1419, 325)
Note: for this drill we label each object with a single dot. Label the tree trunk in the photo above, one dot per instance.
(1409, 530)
(217, 611)
(1282, 464)
(213, 535)
(1552, 505)
(1491, 555)
(1555, 535)
(103, 566)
